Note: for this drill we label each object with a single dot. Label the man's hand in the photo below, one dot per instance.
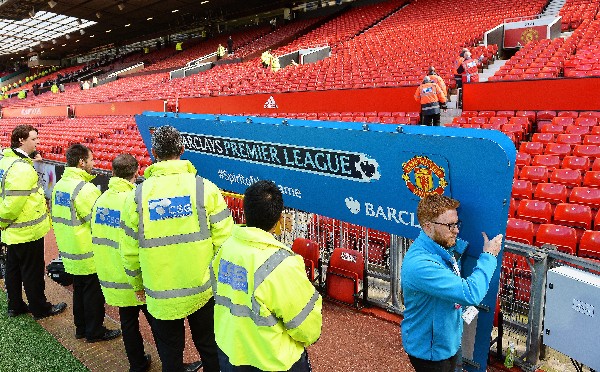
(141, 295)
(492, 246)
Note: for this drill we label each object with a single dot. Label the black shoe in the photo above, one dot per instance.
(192, 367)
(109, 334)
(146, 366)
(14, 313)
(79, 336)
(55, 309)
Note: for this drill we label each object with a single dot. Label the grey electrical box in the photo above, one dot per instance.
(571, 324)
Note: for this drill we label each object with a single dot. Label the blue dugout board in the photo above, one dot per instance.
(372, 175)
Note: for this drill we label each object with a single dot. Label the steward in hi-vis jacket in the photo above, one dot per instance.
(73, 197)
(431, 97)
(24, 221)
(174, 223)
(267, 312)
(106, 232)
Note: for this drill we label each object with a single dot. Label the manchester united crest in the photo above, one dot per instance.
(423, 176)
(528, 35)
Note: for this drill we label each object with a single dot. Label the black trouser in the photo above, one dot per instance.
(25, 268)
(170, 339)
(422, 365)
(301, 365)
(132, 337)
(431, 120)
(88, 306)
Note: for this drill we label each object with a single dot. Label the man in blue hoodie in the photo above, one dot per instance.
(435, 294)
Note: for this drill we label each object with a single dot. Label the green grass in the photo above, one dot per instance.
(26, 346)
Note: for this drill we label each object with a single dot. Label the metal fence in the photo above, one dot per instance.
(522, 288)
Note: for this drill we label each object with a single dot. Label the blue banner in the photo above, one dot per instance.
(372, 175)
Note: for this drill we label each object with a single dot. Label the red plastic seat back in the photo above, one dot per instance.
(574, 215)
(521, 231)
(563, 237)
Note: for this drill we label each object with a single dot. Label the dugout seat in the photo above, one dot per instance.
(344, 274)
(309, 250)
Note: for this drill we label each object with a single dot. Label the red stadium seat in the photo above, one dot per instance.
(592, 139)
(528, 114)
(543, 137)
(582, 163)
(532, 148)
(501, 120)
(505, 113)
(589, 245)
(512, 207)
(574, 129)
(345, 270)
(546, 115)
(552, 128)
(568, 114)
(570, 139)
(563, 237)
(585, 195)
(568, 177)
(551, 192)
(591, 151)
(586, 121)
(534, 174)
(523, 159)
(592, 179)
(309, 250)
(522, 189)
(560, 149)
(574, 215)
(520, 231)
(549, 161)
(535, 211)
(595, 130)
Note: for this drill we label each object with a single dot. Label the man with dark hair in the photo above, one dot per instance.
(435, 294)
(267, 312)
(184, 219)
(24, 222)
(106, 231)
(73, 197)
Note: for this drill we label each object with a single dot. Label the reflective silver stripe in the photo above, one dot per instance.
(203, 234)
(72, 204)
(176, 293)
(169, 240)
(201, 209)
(105, 241)
(216, 218)
(264, 270)
(87, 218)
(29, 223)
(240, 310)
(133, 273)
(21, 192)
(128, 230)
(3, 220)
(77, 257)
(6, 174)
(114, 285)
(244, 311)
(301, 317)
(66, 221)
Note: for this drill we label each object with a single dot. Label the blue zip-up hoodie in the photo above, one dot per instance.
(432, 326)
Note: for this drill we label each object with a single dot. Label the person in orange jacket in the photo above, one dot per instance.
(433, 76)
(457, 64)
(432, 99)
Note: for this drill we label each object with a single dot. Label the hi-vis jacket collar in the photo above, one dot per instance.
(163, 168)
(78, 173)
(255, 237)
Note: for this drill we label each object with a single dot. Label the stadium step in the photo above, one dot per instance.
(491, 69)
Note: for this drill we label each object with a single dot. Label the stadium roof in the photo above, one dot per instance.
(34, 24)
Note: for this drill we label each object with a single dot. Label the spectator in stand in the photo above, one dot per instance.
(94, 81)
(275, 66)
(179, 46)
(435, 293)
(431, 97)
(86, 85)
(230, 45)
(433, 76)
(469, 69)
(265, 58)
(457, 64)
